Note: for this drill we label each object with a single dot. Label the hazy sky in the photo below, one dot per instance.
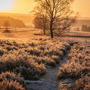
(25, 6)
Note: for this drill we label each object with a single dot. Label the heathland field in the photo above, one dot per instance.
(30, 60)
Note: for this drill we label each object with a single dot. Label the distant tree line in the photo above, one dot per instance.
(85, 28)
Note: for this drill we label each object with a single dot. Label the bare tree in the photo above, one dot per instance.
(40, 23)
(40, 16)
(58, 13)
(6, 24)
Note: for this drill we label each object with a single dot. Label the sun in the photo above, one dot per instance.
(5, 4)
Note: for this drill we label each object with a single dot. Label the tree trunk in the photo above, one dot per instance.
(44, 30)
(51, 30)
(6, 28)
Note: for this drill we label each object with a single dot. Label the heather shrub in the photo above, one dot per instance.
(78, 67)
(63, 49)
(53, 48)
(46, 60)
(56, 58)
(77, 63)
(10, 85)
(32, 44)
(9, 43)
(33, 51)
(42, 47)
(67, 45)
(64, 85)
(83, 83)
(70, 70)
(12, 61)
(29, 59)
(46, 49)
(16, 44)
(1, 51)
(54, 52)
(29, 73)
(8, 47)
(12, 76)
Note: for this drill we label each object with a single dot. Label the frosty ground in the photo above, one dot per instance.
(43, 63)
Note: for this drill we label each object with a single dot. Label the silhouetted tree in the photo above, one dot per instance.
(40, 23)
(37, 23)
(40, 20)
(58, 14)
(78, 29)
(84, 28)
(88, 29)
(6, 25)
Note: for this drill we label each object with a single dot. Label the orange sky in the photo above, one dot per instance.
(25, 6)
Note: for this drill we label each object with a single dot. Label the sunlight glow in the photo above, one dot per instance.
(5, 4)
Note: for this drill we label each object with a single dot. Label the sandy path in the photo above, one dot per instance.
(49, 81)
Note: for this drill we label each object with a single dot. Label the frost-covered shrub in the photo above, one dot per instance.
(54, 52)
(33, 44)
(1, 52)
(2, 67)
(12, 61)
(29, 59)
(30, 73)
(65, 85)
(70, 70)
(9, 47)
(33, 51)
(12, 76)
(42, 47)
(77, 66)
(63, 49)
(45, 60)
(16, 43)
(53, 48)
(10, 85)
(67, 45)
(56, 58)
(83, 83)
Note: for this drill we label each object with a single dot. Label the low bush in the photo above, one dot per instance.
(77, 67)
(12, 76)
(15, 60)
(29, 73)
(10, 85)
(45, 60)
(29, 59)
(70, 70)
(83, 83)
(11, 81)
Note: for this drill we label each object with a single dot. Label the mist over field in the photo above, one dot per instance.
(26, 18)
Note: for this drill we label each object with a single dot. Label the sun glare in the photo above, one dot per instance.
(5, 4)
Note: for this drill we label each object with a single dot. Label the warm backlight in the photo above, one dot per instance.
(5, 4)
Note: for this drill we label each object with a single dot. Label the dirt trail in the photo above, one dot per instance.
(49, 81)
